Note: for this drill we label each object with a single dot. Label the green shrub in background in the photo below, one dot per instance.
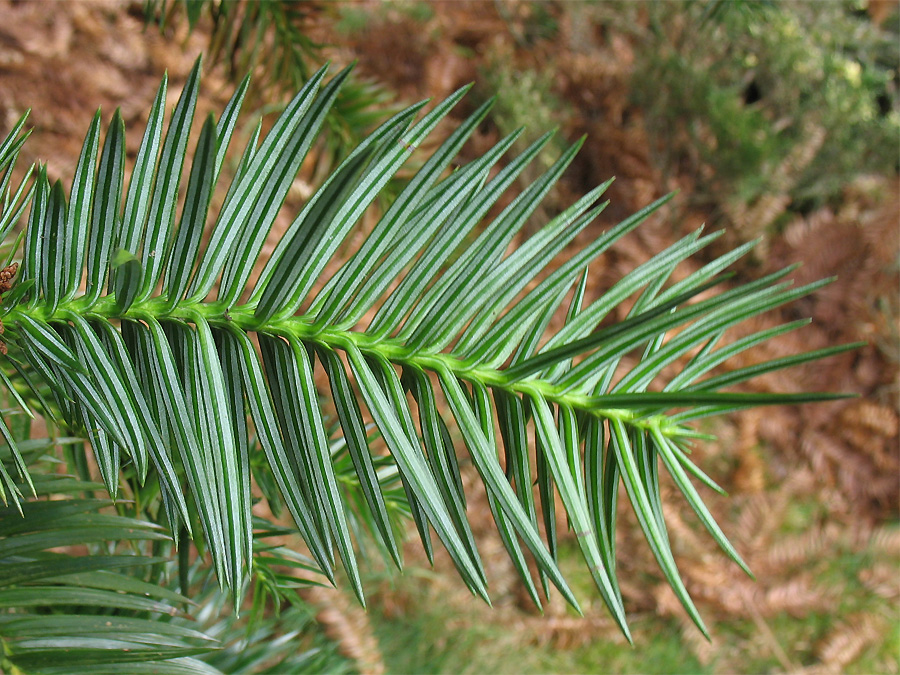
(758, 110)
(785, 102)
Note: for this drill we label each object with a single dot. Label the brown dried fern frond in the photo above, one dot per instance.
(347, 624)
(569, 632)
(849, 639)
(886, 540)
(759, 517)
(882, 579)
(799, 596)
(800, 549)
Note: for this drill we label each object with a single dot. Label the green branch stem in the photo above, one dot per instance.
(625, 408)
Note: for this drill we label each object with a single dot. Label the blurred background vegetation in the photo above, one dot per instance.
(774, 120)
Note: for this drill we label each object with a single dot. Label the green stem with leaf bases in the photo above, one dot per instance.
(173, 384)
(302, 327)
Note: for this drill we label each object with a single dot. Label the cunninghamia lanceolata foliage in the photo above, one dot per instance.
(185, 364)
